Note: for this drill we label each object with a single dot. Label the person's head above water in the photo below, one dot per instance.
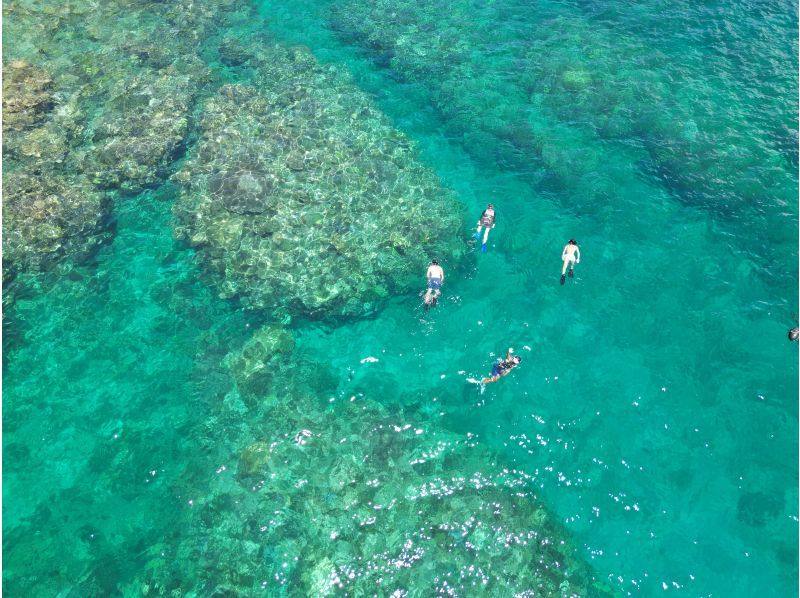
(491, 206)
(573, 242)
(516, 359)
(434, 262)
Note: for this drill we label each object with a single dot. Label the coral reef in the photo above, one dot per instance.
(292, 177)
(254, 366)
(136, 137)
(352, 497)
(27, 95)
(570, 85)
(302, 199)
(48, 215)
(92, 96)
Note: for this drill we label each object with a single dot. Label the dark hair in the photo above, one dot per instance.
(490, 205)
(573, 242)
(435, 262)
(517, 358)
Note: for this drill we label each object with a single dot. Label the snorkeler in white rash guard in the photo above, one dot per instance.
(569, 257)
(435, 276)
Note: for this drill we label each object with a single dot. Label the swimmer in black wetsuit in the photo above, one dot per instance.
(503, 367)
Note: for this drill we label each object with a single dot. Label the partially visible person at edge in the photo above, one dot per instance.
(571, 256)
(435, 276)
(486, 221)
(503, 367)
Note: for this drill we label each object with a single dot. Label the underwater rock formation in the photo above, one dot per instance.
(254, 366)
(351, 497)
(27, 95)
(48, 215)
(136, 137)
(92, 95)
(596, 84)
(302, 199)
(234, 52)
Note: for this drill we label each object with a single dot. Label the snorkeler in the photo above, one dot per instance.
(435, 276)
(503, 367)
(569, 255)
(794, 334)
(486, 221)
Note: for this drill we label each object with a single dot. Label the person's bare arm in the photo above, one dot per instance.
(578, 254)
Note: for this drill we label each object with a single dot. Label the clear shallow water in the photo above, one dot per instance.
(655, 387)
(655, 409)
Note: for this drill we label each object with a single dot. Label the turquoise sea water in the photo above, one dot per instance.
(655, 411)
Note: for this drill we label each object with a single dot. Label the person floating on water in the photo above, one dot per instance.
(435, 276)
(569, 256)
(794, 334)
(503, 367)
(486, 221)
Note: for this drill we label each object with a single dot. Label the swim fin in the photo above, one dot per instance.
(570, 273)
(563, 279)
(477, 235)
(483, 248)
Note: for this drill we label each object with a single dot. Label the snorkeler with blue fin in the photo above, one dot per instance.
(486, 222)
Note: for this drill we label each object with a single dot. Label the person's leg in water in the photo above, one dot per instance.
(435, 298)
(485, 238)
(477, 234)
(494, 376)
(432, 294)
(568, 261)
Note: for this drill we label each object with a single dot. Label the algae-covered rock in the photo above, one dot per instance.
(46, 143)
(256, 364)
(253, 460)
(140, 130)
(322, 503)
(597, 83)
(95, 96)
(301, 197)
(233, 52)
(47, 216)
(27, 95)
(576, 80)
(322, 579)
